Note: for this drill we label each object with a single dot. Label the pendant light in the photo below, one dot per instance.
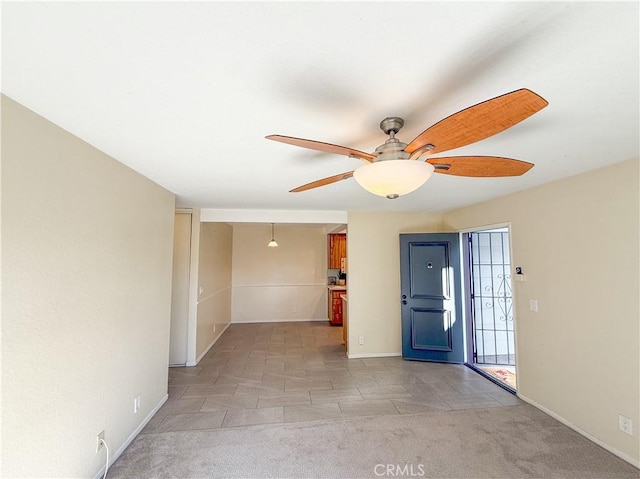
(272, 243)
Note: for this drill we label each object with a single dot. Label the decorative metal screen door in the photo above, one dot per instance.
(492, 302)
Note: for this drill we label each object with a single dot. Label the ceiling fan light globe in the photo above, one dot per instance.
(393, 178)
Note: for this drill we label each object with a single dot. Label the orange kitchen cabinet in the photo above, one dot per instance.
(335, 308)
(337, 249)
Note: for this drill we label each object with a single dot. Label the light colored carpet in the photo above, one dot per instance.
(507, 442)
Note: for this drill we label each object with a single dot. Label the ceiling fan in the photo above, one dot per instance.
(392, 171)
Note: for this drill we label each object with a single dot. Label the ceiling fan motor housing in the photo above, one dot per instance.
(392, 149)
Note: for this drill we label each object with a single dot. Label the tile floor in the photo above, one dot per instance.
(269, 373)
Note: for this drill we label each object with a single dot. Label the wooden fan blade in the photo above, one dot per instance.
(479, 121)
(320, 146)
(480, 166)
(323, 182)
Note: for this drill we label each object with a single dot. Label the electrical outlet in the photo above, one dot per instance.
(136, 404)
(533, 304)
(361, 340)
(99, 443)
(625, 424)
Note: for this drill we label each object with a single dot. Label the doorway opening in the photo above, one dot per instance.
(179, 325)
(491, 338)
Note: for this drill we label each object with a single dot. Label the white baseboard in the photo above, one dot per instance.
(189, 363)
(133, 435)
(296, 320)
(620, 454)
(373, 355)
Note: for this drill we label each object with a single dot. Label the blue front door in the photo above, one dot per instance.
(430, 283)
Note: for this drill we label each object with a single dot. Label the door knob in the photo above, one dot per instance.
(404, 301)
(404, 296)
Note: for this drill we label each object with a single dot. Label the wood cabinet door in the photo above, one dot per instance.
(336, 307)
(337, 244)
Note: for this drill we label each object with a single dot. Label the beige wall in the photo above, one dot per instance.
(373, 257)
(214, 280)
(577, 241)
(86, 290)
(287, 283)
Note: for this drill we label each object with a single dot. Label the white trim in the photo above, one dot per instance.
(273, 216)
(473, 229)
(190, 363)
(373, 355)
(213, 295)
(133, 435)
(277, 320)
(194, 275)
(611, 449)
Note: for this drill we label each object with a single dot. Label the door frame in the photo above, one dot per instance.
(179, 330)
(468, 303)
(193, 283)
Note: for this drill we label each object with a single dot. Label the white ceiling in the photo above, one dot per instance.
(185, 93)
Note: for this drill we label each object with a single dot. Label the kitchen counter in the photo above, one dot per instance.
(335, 287)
